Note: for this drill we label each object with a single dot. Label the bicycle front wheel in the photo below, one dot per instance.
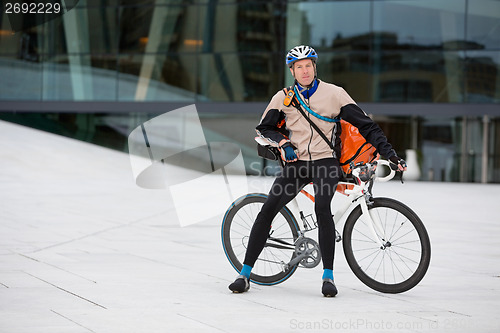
(402, 262)
(270, 268)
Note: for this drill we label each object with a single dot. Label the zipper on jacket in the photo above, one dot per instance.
(310, 140)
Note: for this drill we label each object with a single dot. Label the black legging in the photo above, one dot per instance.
(324, 174)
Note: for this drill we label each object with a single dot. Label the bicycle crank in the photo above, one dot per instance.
(307, 253)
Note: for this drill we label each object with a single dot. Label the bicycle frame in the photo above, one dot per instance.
(362, 189)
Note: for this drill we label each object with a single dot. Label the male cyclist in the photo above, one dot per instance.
(309, 157)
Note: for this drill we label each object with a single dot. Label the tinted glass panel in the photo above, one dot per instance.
(483, 24)
(323, 24)
(396, 76)
(233, 77)
(20, 79)
(161, 29)
(482, 77)
(424, 76)
(79, 77)
(385, 50)
(351, 70)
(247, 26)
(157, 77)
(419, 24)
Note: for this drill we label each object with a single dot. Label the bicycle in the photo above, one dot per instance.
(385, 243)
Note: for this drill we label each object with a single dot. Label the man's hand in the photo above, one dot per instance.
(288, 153)
(398, 163)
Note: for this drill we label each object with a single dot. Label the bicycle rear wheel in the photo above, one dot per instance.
(403, 262)
(269, 269)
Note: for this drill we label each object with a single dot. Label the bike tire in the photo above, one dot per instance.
(405, 260)
(236, 227)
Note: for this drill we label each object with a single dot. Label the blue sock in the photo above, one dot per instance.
(246, 270)
(328, 274)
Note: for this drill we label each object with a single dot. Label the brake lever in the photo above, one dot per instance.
(395, 168)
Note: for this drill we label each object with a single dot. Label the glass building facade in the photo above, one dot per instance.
(427, 70)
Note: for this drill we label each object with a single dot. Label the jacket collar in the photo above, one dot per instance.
(307, 92)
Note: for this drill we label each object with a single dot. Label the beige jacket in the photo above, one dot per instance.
(329, 101)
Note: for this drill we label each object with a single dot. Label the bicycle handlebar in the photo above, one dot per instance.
(391, 173)
(366, 172)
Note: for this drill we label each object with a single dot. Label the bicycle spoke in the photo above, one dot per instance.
(409, 232)
(376, 253)
(368, 249)
(381, 262)
(365, 241)
(394, 224)
(397, 268)
(280, 225)
(405, 248)
(239, 233)
(363, 234)
(408, 242)
(248, 220)
(384, 224)
(241, 253)
(393, 234)
(405, 257)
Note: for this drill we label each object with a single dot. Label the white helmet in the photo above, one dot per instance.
(299, 53)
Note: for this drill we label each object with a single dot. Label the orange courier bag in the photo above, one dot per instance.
(354, 147)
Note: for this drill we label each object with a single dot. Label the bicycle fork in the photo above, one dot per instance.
(374, 225)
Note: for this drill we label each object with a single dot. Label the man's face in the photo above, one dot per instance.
(303, 71)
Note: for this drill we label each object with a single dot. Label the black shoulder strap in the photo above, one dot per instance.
(296, 104)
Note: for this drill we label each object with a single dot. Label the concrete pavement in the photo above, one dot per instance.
(83, 249)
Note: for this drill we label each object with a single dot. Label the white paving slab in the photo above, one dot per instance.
(83, 249)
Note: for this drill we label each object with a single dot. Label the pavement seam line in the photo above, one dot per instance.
(200, 322)
(51, 265)
(66, 291)
(57, 313)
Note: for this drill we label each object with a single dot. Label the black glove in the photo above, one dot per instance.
(397, 163)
